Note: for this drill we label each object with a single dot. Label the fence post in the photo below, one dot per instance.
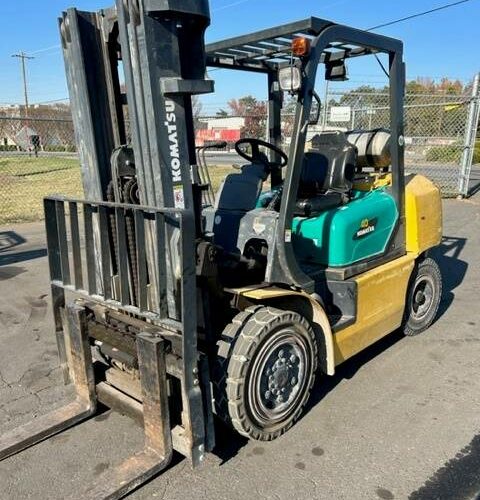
(325, 111)
(470, 136)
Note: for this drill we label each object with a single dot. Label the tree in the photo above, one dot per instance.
(427, 110)
(196, 110)
(255, 114)
(288, 117)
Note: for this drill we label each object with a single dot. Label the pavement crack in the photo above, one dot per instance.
(30, 369)
(167, 484)
(2, 379)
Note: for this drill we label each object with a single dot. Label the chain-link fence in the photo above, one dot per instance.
(37, 158)
(436, 129)
(38, 154)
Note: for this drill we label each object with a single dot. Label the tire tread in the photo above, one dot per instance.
(235, 349)
(409, 327)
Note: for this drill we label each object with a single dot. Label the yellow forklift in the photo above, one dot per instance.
(178, 307)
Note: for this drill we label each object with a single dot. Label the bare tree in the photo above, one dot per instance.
(255, 114)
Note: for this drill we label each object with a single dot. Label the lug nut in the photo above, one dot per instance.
(281, 352)
(293, 358)
(293, 381)
(268, 395)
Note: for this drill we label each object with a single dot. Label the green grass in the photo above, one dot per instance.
(24, 182)
(22, 165)
(451, 153)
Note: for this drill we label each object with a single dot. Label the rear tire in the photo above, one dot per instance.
(265, 368)
(423, 297)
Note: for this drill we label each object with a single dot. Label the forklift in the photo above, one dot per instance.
(181, 307)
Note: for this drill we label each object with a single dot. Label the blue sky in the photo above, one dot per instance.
(445, 43)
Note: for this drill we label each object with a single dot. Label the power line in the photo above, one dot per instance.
(53, 101)
(234, 4)
(418, 14)
(46, 49)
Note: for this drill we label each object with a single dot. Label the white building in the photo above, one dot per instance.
(224, 123)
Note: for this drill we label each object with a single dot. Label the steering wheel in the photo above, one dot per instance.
(257, 155)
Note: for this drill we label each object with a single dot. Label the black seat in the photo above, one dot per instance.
(327, 174)
(240, 191)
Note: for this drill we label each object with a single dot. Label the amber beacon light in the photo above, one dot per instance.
(300, 46)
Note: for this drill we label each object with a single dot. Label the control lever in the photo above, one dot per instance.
(209, 195)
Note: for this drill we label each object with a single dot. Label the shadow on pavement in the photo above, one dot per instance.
(14, 258)
(9, 240)
(474, 182)
(458, 477)
(228, 442)
(349, 368)
(453, 269)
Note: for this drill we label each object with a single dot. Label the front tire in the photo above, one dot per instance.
(266, 366)
(423, 297)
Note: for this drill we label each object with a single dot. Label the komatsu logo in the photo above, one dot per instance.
(367, 226)
(365, 230)
(171, 125)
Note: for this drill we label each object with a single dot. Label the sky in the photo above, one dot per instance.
(445, 43)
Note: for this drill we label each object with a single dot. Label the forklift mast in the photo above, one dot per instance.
(132, 71)
(159, 44)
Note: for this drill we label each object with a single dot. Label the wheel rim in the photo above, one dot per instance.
(278, 377)
(422, 297)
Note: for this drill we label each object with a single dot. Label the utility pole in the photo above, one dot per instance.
(23, 57)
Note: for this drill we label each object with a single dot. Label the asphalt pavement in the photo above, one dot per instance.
(400, 420)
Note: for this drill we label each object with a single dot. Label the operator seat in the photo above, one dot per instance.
(237, 195)
(241, 191)
(327, 174)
